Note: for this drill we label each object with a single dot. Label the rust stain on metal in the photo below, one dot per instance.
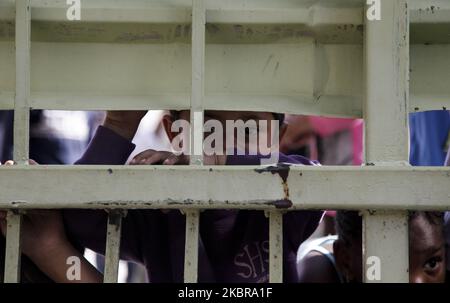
(282, 169)
(281, 204)
(115, 217)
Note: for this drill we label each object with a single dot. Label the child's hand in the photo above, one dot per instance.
(150, 157)
(124, 123)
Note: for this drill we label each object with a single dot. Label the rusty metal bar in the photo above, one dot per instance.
(112, 252)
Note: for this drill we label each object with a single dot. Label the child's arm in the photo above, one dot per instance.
(111, 145)
(45, 243)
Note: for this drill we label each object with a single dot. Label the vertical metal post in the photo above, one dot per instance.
(112, 252)
(191, 246)
(12, 256)
(21, 131)
(196, 135)
(385, 234)
(275, 247)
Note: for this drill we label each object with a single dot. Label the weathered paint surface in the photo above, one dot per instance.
(112, 251)
(12, 253)
(368, 187)
(153, 51)
(196, 133)
(171, 64)
(385, 234)
(275, 247)
(21, 131)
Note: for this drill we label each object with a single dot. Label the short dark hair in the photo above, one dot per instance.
(280, 117)
(434, 218)
(349, 223)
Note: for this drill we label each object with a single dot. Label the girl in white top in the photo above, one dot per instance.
(339, 259)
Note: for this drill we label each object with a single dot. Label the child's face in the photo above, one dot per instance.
(427, 252)
(426, 249)
(253, 128)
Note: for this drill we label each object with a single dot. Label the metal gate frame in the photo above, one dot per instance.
(383, 190)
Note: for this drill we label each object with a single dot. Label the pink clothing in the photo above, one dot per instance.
(330, 126)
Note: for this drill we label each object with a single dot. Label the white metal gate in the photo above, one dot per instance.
(311, 57)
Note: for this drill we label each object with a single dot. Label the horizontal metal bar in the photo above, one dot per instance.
(247, 187)
(6, 100)
(151, 82)
(181, 15)
(221, 13)
(349, 12)
(342, 106)
(79, 101)
(328, 105)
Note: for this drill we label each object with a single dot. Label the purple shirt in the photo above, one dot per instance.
(447, 236)
(233, 244)
(447, 223)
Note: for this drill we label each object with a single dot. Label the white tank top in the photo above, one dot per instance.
(319, 246)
